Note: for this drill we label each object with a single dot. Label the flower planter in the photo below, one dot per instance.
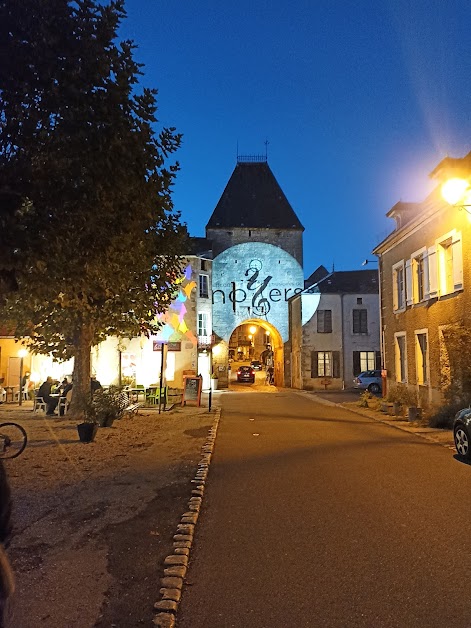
(87, 432)
(414, 413)
(214, 383)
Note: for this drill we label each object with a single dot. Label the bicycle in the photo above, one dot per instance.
(13, 439)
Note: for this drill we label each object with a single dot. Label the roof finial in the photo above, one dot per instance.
(266, 148)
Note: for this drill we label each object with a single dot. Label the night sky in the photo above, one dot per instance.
(358, 99)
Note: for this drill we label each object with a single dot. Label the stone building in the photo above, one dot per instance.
(257, 245)
(425, 275)
(342, 338)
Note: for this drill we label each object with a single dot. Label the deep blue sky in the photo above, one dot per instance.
(359, 100)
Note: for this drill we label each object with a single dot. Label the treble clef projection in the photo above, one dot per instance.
(260, 304)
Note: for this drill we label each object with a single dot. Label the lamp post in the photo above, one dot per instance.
(22, 353)
(457, 192)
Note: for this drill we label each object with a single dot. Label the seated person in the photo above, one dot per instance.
(94, 384)
(65, 398)
(45, 392)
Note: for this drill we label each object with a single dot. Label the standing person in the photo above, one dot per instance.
(7, 582)
(45, 392)
(94, 385)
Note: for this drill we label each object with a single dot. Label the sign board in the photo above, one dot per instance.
(174, 346)
(157, 345)
(192, 390)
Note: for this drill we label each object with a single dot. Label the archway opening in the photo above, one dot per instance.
(256, 339)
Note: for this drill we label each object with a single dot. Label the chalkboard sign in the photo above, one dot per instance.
(192, 389)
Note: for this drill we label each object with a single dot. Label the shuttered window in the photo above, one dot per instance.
(360, 321)
(324, 321)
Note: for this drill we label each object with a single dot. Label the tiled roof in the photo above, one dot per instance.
(347, 282)
(253, 198)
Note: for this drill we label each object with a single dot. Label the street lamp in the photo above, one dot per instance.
(457, 192)
(22, 353)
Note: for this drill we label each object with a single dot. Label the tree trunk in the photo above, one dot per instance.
(82, 367)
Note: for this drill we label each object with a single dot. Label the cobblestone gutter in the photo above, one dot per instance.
(176, 564)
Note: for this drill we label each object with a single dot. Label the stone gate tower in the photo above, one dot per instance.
(257, 244)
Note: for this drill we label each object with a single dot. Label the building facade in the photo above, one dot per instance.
(425, 274)
(342, 338)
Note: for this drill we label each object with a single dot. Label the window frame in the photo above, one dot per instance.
(399, 295)
(400, 357)
(202, 279)
(203, 324)
(361, 322)
(421, 360)
(324, 322)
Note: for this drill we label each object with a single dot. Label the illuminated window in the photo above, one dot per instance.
(421, 354)
(399, 292)
(324, 364)
(203, 286)
(203, 324)
(418, 278)
(324, 321)
(450, 263)
(360, 321)
(400, 357)
(367, 360)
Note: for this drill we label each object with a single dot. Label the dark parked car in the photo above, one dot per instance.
(256, 365)
(462, 433)
(245, 374)
(369, 380)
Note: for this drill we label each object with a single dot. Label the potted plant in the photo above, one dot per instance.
(401, 396)
(214, 381)
(99, 411)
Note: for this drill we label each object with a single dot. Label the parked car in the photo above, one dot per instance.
(369, 380)
(245, 374)
(462, 433)
(256, 365)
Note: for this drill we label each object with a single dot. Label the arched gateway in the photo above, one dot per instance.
(256, 243)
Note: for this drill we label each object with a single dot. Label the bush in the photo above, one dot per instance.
(401, 393)
(443, 417)
(364, 399)
(104, 407)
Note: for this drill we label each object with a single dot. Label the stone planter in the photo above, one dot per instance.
(414, 413)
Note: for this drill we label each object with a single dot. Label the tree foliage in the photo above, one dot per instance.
(455, 371)
(89, 239)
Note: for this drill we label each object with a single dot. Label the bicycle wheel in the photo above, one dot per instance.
(13, 440)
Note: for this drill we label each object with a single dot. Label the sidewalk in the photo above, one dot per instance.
(443, 437)
(94, 522)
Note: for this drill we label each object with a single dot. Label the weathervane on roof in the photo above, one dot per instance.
(253, 158)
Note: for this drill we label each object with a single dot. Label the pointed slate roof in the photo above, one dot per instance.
(253, 198)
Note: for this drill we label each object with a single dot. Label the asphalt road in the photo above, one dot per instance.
(316, 516)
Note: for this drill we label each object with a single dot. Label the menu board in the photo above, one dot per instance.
(192, 390)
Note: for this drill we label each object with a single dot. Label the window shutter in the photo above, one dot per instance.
(335, 363)
(328, 321)
(457, 262)
(409, 293)
(314, 372)
(432, 288)
(356, 363)
(395, 290)
(378, 359)
(426, 276)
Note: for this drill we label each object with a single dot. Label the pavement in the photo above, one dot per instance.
(112, 515)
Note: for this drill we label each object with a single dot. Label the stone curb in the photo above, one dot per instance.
(428, 435)
(176, 564)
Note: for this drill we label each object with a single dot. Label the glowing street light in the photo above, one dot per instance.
(252, 329)
(457, 192)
